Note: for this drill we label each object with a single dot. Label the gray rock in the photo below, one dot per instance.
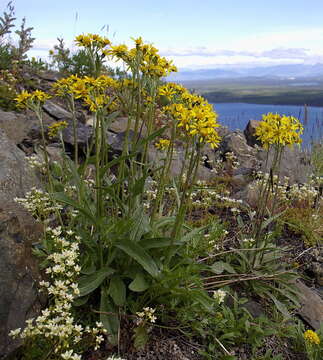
(317, 268)
(255, 309)
(312, 305)
(56, 111)
(204, 173)
(294, 164)
(18, 270)
(236, 143)
(50, 76)
(250, 131)
(84, 134)
(248, 193)
(120, 125)
(15, 125)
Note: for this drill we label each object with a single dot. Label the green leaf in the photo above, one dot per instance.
(139, 283)
(81, 301)
(109, 317)
(279, 305)
(220, 266)
(89, 283)
(156, 243)
(137, 253)
(140, 224)
(151, 137)
(61, 197)
(140, 337)
(138, 186)
(202, 298)
(271, 219)
(192, 234)
(117, 291)
(116, 161)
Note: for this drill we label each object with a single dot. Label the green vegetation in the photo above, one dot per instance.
(130, 252)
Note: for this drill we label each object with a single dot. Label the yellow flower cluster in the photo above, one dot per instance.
(93, 91)
(26, 99)
(197, 117)
(92, 41)
(145, 55)
(279, 129)
(312, 337)
(55, 128)
(162, 144)
(171, 90)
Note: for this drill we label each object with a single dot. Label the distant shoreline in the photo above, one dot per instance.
(315, 100)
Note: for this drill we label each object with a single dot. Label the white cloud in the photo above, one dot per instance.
(271, 48)
(311, 38)
(260, 49)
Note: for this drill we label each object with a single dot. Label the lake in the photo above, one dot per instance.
(237, 115)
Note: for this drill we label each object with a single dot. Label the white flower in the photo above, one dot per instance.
(219, 296)
(15, 332)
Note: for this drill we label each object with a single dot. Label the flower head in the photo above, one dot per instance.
(29, 100)
(55, 128)
(311, 337)
(219, 296)
(162, 144)
(279, 129)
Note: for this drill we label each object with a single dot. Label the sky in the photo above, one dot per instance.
(194, 34)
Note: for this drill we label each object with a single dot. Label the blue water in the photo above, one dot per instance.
(237, 115)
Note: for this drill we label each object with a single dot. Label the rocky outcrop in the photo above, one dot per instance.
(236, 143)
(16, 125)
(312, 305)
(250, 133)
(18, 270)
(294, 164)
(56, 111)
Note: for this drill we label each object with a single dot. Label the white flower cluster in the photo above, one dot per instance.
(296, 192)
(39, 204)
(248, 241)
(305, 192)
(218, 166)
(150, 195)
(90, 183)
(219, 296)
(207, 196)
(231, 157)
(56, 323)
(147, 315)
(35, 162)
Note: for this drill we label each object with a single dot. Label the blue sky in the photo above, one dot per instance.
(195, 34)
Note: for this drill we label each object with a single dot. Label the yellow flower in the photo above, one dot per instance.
(92, 40)
(40, 96)
(119, 51)
(167, 90)
(279, 129)
(162, 144)
(312, 337)
(26, 99)
(55, 128)
(22, 98)
(197, 118)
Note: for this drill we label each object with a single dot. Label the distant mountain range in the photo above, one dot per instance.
(277, 71)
